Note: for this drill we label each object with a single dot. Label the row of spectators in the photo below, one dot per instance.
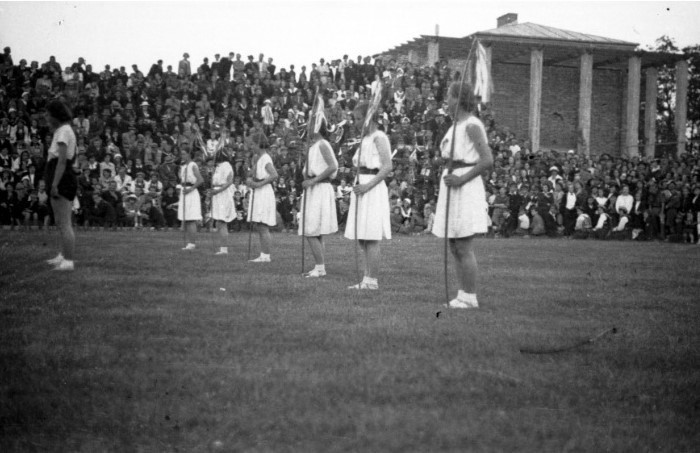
(130, 127)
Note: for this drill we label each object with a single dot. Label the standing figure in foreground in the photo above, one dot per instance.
(223, 209)
(370, 197)
(61, 181)
(468, 210)
(318, 203)
(262, 208)
(189, 209)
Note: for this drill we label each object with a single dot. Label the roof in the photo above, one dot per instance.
(449, 47)
(529, 30)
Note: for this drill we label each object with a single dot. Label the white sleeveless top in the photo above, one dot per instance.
(464, 148)
(370, 152)
(187, 173)
(260, 170)
(316, 164)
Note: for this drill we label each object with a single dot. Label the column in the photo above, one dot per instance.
(486, 98)
(584, 104)
(536, 59)
(681, 104)
(433, 51)
(632, 129)
(650, 95)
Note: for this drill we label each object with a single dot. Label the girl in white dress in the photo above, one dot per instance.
(223, 209)
(189, 208)
(370, 197)
(468, 210)
(318, 202)
(61, 181)
(262, 208)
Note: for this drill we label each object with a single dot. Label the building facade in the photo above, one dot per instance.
(561, 89)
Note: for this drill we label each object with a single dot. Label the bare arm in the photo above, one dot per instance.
(273, 175)
(384, 170)
(477, 136)
(60, 168)
(327, 154)
(199, 182)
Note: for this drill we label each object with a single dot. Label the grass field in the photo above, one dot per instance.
(140, 350)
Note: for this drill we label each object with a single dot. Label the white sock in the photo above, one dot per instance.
(320, 268)
(369, 281)
(463, 296)
(190, 244)
(223, 249)
(264, 255)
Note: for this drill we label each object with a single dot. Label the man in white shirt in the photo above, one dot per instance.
(343, 189)
(554, 172)
(624, 200)
(123, 180)
(623, 221)
(569, 210)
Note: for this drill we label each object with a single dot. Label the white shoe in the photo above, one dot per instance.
(65, 265)
(364, 285)
(456, 303)
(56, 260)
(221, 252)
(260, 259)
(189, 246)
(315, 273)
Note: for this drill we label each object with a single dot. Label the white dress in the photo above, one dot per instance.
(373, 221)
(320, 216)
(468, 207)
(191, 204)
(264, 207)
(223, 207)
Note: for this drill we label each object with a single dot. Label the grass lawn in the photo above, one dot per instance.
(140, 350)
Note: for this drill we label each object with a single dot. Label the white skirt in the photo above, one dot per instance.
(320, 217)
(222, 206)
(373, 222)
(192, 205)
(468, 208)
(264, 209)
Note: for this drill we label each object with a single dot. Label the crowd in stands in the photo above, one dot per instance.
(131, 125)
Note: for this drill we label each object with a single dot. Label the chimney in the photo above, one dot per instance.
(507, 19)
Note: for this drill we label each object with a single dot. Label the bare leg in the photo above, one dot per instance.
(371, 249)
(190, 231)
(223, 233)
(316, 244)
(63, 211)
(465, 261)
(265, 238)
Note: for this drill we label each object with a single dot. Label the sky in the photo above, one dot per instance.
(301, 32)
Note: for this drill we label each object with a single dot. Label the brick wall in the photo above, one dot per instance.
(511, 97)
(559, 115)
(606, 112)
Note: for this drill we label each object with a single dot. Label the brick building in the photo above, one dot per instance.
(561, 89)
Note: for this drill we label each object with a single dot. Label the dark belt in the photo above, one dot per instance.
(324, 180)
(459, 164)
(188, 184)
(258, 180)
(368, 171)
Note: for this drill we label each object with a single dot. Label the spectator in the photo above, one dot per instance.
(101, 214)
(184, 70)
(658, 193)
(538, 227)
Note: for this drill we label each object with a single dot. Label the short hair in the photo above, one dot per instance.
(60, 111)
(467, 100)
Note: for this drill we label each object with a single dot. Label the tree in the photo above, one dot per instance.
(666, 97)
